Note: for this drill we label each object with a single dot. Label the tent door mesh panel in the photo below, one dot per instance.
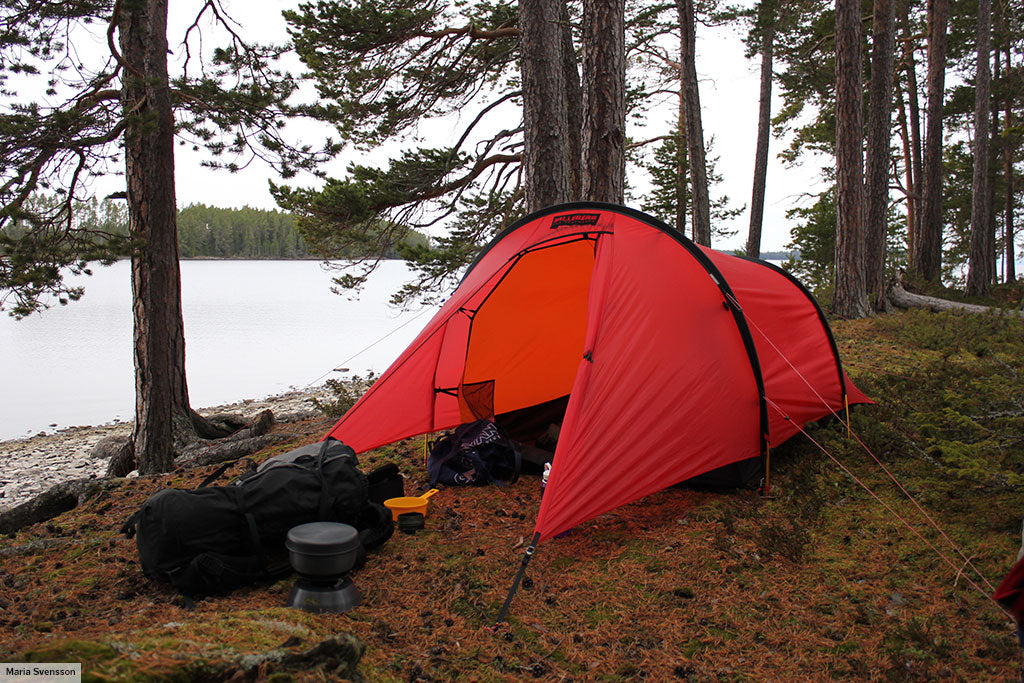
(476, 401)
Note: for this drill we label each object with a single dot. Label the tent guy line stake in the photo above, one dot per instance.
(893, 512)
(530, 549)
(850, 433)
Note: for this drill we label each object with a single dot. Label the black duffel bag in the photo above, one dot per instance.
(215, 539)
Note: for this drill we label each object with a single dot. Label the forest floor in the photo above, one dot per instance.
(818, 581)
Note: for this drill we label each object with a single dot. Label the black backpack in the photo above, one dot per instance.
(215, 539)
(475, 453)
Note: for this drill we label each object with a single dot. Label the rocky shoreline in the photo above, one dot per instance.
(31, 465)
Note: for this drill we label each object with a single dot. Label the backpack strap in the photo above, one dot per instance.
(437, 458)
(131, 525)
(517, 458)
(250, 522)
(217, 474)
(324, 503)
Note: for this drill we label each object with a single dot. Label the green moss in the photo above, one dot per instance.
(85, 651)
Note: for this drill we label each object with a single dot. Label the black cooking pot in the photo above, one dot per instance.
(323, 549)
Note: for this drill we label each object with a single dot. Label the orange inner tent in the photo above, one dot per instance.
(527, 337)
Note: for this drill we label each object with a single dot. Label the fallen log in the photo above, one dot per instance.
(901, 298)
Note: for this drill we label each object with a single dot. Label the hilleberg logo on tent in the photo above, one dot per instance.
(574, 219)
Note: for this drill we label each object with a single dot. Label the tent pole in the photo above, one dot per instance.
(767, 469)
(503, 612)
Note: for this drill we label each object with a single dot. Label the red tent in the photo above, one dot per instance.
(676, 359)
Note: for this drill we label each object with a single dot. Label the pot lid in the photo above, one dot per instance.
(322, 538)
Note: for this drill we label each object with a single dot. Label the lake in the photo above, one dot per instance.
(252, 329)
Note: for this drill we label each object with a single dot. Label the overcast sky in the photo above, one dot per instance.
(729, 101)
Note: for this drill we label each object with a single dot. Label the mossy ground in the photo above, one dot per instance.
(819, 581)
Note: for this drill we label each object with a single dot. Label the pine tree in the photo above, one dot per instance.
(231, 101)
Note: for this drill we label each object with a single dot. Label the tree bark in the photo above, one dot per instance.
(1010, 273)
(850, 298)
(682, 167)
(604, 100)
(878, 140)
(993, 173)
(982, 255)
(573, 106)
(908, 169)
(159, 338)
(927, 258)
(764, 116)
(913, 103)
(546, 176)
(701, 205)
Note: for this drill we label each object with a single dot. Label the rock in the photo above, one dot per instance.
(34, 464)
(107, 447)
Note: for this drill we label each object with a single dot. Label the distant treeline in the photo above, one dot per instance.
(780, 255)
(246, 233)
(204, 231)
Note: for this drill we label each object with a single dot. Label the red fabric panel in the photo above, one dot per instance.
(799, 369)
(400, 402)
(1010, 592)
(403, 401)
(670, 392)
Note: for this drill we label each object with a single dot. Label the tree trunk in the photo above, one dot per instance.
(982, 255)
(879, 122)
(159, 338)
(763, 133)
(546, 175)
(604, 100)
(574, 106)
(850, 298)
(682, 169)
(694, 130)
(908, 168)
(927, 260)
(993, 173)
(913, 103)
(1010, 274)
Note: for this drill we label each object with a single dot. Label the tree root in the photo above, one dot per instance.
(337, 657)
(194, 448)
(213, 452)
(57, 499)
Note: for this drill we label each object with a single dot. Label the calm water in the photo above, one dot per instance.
(252, 329)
